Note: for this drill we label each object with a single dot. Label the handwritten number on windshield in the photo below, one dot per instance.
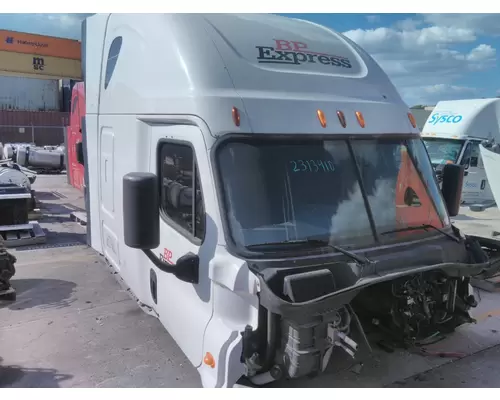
(312, 166)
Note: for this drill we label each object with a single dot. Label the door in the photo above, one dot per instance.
(109, 239)
(475, 187)
(485, 187)
(185, 182)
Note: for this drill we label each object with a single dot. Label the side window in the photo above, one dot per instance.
(475, 154)
(75, 104)
(181, 199)
(466, 157)
(114, 51)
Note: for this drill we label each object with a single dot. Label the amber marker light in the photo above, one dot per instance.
(412, 120)
(360, 118)
(342, 120)
(322, 118)
(236, 116)
(209, 360)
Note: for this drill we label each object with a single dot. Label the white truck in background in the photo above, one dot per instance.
(453, 133)
(261, 187)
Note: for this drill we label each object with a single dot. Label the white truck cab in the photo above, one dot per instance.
(262, 189)
(452, 134)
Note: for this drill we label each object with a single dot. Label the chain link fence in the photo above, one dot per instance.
(40, 135)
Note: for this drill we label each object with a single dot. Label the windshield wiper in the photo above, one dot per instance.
(422, 227)
(318, 243)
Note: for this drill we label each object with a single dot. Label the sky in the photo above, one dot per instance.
(429, 57)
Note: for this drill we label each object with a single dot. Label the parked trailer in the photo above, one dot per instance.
(262, 189)
(453, 133)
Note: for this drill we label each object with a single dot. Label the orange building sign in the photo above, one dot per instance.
(27, 43)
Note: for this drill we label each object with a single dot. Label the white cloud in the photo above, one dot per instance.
(408, 24)
(482, 52)
(60, 25)
(382, 39)
(67, 25)
(484, 24)
(442, 88)
(66, 21)
(427, 63)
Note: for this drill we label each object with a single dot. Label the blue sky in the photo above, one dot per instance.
(429, 57)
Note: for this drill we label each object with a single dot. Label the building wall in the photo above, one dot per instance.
(44, 127)
(28, 94)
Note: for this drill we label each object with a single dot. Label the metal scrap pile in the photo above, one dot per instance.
(48, 159)
(16, 194)
(7, 271)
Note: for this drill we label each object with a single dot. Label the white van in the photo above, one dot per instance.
(262, 189)
(452, 134)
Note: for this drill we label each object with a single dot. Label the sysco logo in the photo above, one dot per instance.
(470, 185)
(439, 118)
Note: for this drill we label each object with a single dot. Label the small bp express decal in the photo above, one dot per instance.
(296, 53)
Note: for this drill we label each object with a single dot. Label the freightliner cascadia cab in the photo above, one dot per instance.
(262, 188)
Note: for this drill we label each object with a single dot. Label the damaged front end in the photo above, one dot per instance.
(305, 312)
(362, 249)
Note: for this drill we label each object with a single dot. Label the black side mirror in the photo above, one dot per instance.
(141, 211)
(453, 178)
(141, 224)
(79, 153)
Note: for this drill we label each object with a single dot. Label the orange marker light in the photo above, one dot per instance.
(360, 119)
(236, 116)
(342, 120)
(209, 360)
(322, 118)
(412, 120)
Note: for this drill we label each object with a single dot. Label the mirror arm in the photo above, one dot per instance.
(187, 273)
(161, 265)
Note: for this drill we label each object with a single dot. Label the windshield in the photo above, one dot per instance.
(278, 191)
(443, 151)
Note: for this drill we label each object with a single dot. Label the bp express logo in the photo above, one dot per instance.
(297, 53)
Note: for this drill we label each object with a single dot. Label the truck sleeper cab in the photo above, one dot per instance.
(262, 189)
(453, 133)
(74, 137)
